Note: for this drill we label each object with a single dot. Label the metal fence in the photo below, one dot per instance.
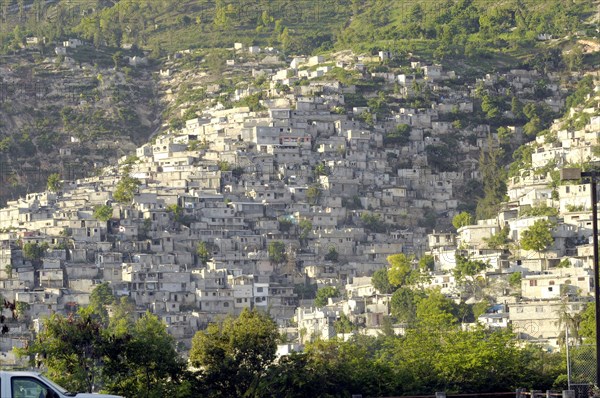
(582, 364)
(582, 368)
(519, 393)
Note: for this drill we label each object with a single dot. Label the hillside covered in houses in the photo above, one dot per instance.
(294, 189)
(379, 204)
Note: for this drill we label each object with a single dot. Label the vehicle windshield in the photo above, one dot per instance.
(53, 385)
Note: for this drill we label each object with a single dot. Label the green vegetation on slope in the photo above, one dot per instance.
(469, 28)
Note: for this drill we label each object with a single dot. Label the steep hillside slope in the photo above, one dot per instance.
(69, 114)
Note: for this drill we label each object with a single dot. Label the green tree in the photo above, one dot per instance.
(344, 324)
(399, 136)
(21, 308)
(533, 126)
(403, 305)
(144, 362)
(203, 253)
(313, 194)
(276, 251)
(494, 182)
(380, 281)
(103, 213)
(224, 165)
(585, 87)
(320, 170)
(234, 355)
(514, 280)
(305, 226)
(427, 263)
(54, 183)
(130, 358)
(435, 310)
(72, 349)
(441, 157)
(516, 107)
(34, 251)
(504, 135)
(587, 327)
(499, 240)
(462, 219)
(467, 273)
(177, 212)
(126, 189)
(221, 19)
(466, 267)
(401, 269)
(293, 375)
(285, 39)
(424, 360)
(416, 13)
(571, 323)
(324, 293)
(372, 222)
(123, 316)
(101, 297)
(117, 58)
(538, 237)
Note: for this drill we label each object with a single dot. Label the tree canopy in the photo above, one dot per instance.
(126, 189)
(144, 362)
(72, 348)
(34, 251)
(381, 282)
(462, 219)
(276, 251)
(81, 354)
(54, 183)
(400, 270)
(234, 354)
(537, 237)
(403, 305)
(324, 293)
(101, 297)
(426, 359)
(103, 212)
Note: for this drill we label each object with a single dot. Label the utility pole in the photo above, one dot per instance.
(576, 174)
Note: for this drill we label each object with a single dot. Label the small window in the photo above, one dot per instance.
(226, 304)
(259, 289)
